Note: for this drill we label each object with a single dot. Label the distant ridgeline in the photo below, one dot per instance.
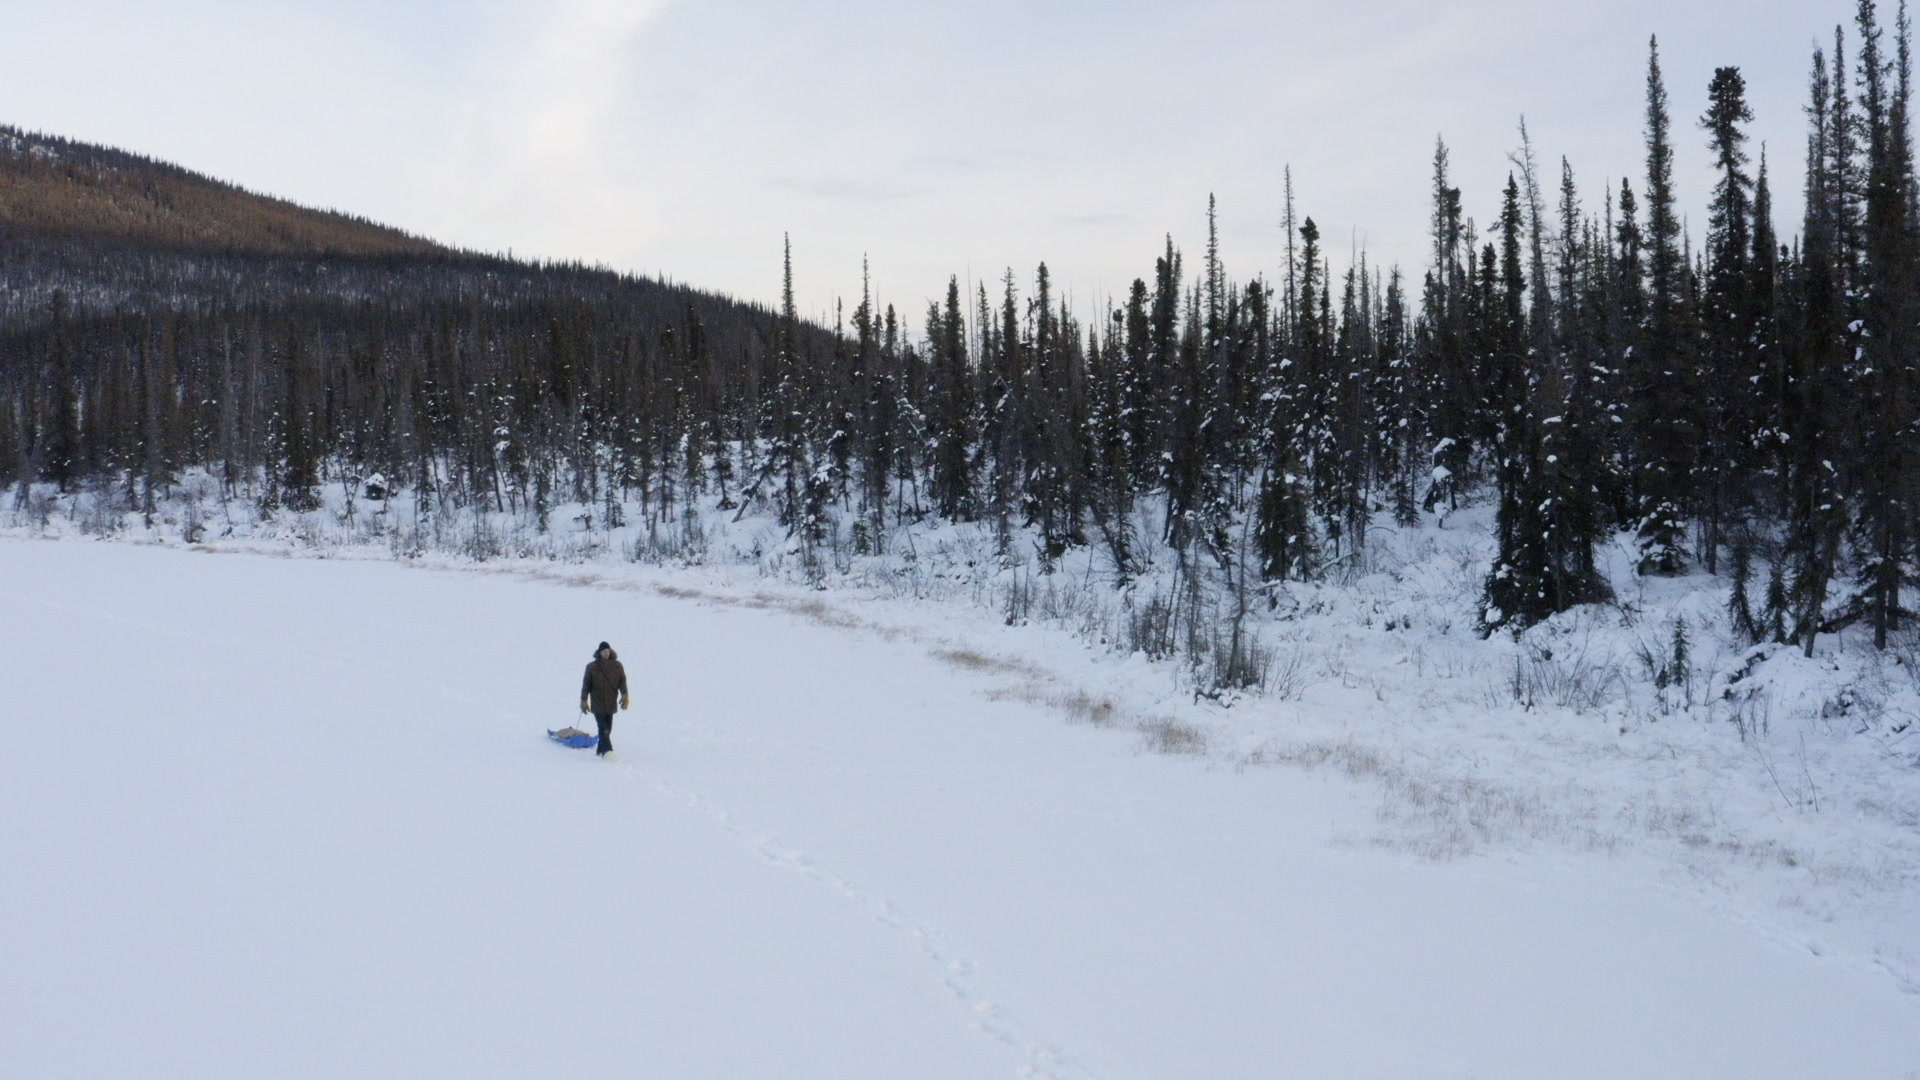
(1742, 401)
(57, 187)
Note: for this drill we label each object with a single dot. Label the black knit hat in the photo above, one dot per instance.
(603, 645)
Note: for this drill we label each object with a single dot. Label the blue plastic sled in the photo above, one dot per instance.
(573, 737)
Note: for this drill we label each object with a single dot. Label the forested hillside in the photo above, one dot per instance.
(152, 319)
(70, 189)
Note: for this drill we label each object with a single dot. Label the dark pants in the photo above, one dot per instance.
(605, 720)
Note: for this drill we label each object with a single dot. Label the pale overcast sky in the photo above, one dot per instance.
(682, 137)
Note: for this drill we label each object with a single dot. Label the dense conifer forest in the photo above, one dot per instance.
(1743, 402)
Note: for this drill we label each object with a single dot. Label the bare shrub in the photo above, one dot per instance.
(480, 543)
(310, 530)
(1289, 671)
(1751, 714)
(193, 523)
(695, 547)
(1793, 781)
(408, 541)
(1668, 664)
(1074, 606)
(1574, 679)
(40, 507)
(1232, 667)
(1150, 628)
(105, 512)
(1903, 644)
(678, 543)
(1232, 663)
(1017, 599)
(1449, 664)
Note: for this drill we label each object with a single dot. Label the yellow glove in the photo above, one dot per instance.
(623, 699)
(583, 705)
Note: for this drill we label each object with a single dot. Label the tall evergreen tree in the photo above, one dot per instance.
(1812, 387)
(1729, 359)
(1661, 373)
(951, 410)
(1885, 351)
(1515, 587)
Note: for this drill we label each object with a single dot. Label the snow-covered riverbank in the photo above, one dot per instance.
(298, 817)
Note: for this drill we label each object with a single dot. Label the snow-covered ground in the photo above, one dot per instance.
(298, 817)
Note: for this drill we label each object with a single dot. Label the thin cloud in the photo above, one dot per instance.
(982, 161)
(846, 189)
(573, 75)
(554, 119)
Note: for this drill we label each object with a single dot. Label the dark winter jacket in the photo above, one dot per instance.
(603, 684)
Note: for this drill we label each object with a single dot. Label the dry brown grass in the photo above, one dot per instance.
(815, 611)
(1083, 707)
(972, 660)
(679, 592)
(1444, 817)
(1165, 735)
(1078, 706)
(1023, 681)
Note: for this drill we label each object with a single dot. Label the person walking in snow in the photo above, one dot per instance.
(604, 683)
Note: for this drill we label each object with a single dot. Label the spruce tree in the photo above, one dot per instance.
(1572, 452)
(1814, 353)
(1885, 379)
(1661, 374)
(951, 409)
(1728, 357)
(1515, 588)
(1444, 382)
